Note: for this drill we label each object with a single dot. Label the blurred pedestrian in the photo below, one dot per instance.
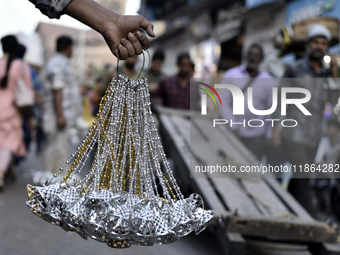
(327, 155)
(192, 72)
(38, 108)
(128, 68)
(174, 91)
(329, 146)
(11, 135)
(155, 74)
(101, 84)
(28, 121)
(244, 77)
(97, 94)
(62, 104)
(300, 142)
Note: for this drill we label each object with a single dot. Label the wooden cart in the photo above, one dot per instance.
(256, 211)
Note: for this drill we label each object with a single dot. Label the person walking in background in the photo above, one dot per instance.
(155, 74)
(11, 133)
(329, 146)
(128, 68)
(38, 109)
(244, 77)
(174, 91)
(300, 142)
(328, 153)
(27, 120)
(62, 104)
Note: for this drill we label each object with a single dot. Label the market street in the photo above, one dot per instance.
(23, 233)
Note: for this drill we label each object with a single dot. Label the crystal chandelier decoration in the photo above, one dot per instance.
(127, 197)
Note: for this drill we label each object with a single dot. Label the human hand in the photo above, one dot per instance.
(113, 27)
(123, 37)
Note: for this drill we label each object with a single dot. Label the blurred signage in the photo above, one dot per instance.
(256, 3)
(301, 10)
(228, 26)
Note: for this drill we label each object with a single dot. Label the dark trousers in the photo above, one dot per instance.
(257, 145)
(299, 186)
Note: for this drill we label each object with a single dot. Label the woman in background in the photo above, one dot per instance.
(11, 134)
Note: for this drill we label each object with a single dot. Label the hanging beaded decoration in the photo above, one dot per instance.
(118, 201)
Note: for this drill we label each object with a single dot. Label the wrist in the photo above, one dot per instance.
(105, 19)
(107, 24)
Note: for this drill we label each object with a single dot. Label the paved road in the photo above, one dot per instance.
(23, 233)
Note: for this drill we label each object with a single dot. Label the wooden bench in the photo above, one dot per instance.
(253, 205)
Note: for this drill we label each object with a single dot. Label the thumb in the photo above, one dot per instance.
(147, 26)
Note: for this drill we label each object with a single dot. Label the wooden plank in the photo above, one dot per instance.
(283, 229)
(237, 145)
(180, 113)
(204, 187)
(219, 140)
(175, 148)
(233, 196)
(303, 231)
(267, 201)
(264, 247)
(178, 138)
(266, 197)
(325, 248)
(287, 198)
(200, 185)
(183, 124)
(209, 196)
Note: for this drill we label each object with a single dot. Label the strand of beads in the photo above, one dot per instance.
(117, 201)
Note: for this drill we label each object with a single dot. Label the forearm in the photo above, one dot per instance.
(97, 18)
(121, 32)
(58, 98)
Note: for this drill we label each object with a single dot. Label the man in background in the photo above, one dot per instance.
(174, 91)
(244, 77)
(128, 68)
(300, 142)
(62, 104)
(155, 74)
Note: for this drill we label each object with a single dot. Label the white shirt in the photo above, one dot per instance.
(262, 100)
(327, 152)
(58, 74)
